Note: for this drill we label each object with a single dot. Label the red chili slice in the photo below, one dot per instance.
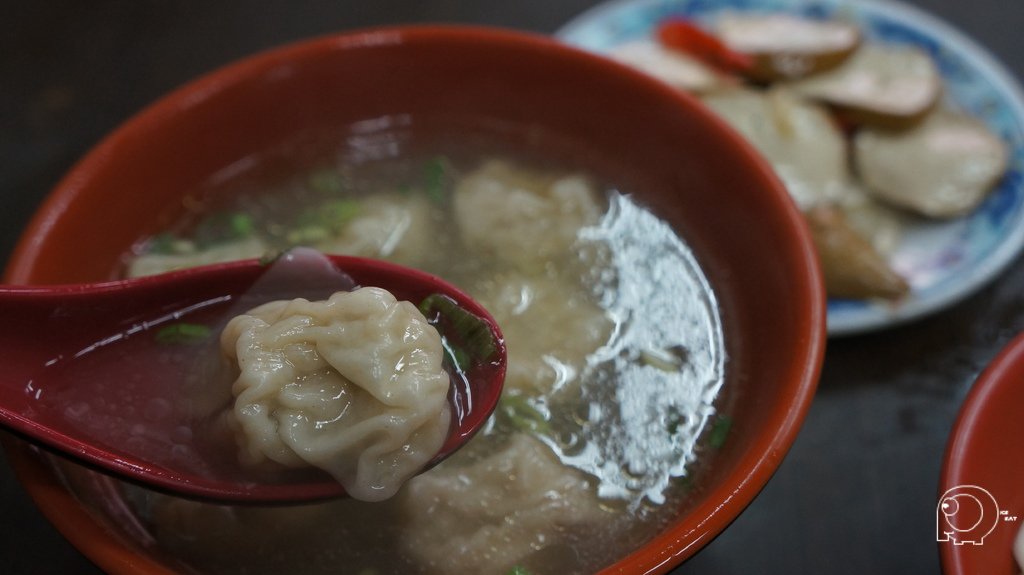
(682, 35)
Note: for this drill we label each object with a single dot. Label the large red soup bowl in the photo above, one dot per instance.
(661, 145)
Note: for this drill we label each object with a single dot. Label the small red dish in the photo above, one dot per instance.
(981, 493)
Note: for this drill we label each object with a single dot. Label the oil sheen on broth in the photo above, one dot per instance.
(612, 403)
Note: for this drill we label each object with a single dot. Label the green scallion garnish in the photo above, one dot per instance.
(462, 328)
(435, 173)
(520, 414)
(183, 334)
(719, 431)
(241, 225)
(222, 227)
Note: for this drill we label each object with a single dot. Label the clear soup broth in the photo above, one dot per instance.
(613, 402)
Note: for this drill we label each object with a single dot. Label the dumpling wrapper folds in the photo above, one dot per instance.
(353, 385)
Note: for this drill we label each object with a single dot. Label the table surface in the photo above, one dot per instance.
(857, 492)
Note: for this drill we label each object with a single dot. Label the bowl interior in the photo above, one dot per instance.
(660, 145)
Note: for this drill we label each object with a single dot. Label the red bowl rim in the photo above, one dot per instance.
(660, 554)
(963, 464)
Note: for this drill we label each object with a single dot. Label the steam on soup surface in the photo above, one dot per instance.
(612, 401)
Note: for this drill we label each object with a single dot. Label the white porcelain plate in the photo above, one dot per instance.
(943, 261)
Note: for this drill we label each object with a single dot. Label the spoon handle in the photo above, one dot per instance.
(44, 326)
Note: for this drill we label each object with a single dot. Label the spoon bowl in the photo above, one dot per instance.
(87, 374)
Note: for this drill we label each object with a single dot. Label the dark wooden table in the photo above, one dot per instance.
(857, 494)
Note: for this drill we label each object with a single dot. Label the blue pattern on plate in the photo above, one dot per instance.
(945, 261)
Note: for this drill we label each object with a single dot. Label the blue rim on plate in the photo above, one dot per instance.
(943, 261)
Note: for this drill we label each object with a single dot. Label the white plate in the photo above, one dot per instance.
(945, 261)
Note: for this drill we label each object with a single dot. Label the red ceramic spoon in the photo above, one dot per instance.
(96, 371)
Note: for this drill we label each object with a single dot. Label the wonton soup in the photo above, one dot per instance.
(613, 401)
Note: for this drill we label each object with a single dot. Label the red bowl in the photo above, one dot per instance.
(983, 473)
(661, 144)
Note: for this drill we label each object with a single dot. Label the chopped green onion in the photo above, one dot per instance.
(719, 431)
(518, 570)
(518, 411)
(183, 334)
(223, 227)
(241, 225)
(326, 219)
(339, 212)
(471, 332)
(435, 172)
